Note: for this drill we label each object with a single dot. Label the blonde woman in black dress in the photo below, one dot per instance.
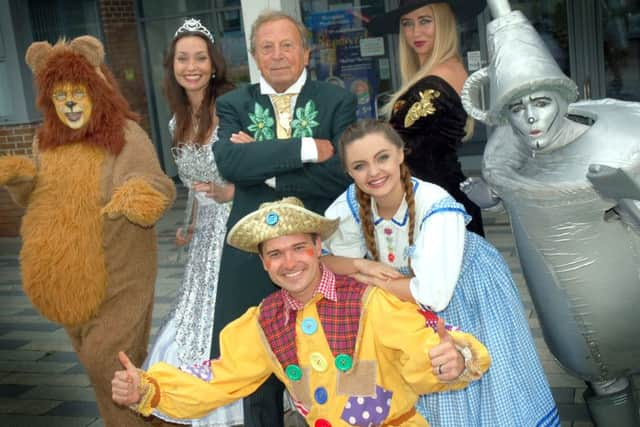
(426, 111)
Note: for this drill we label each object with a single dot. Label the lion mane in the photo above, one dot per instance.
(80, 61)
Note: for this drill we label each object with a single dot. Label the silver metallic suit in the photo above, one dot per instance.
(569, 177)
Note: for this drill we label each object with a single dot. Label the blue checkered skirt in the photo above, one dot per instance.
(514, 391)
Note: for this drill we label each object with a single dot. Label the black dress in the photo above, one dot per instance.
(431, 120)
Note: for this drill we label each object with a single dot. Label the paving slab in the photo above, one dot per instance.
(74, 408)
(35, 421)
(14, 390)
(97, 423)
(78, 380)
(47, 345)
(7, 344)
(26, 406)
(34, 366)
(24, 355)
(64, 393)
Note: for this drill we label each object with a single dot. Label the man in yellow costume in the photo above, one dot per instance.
(349, 354)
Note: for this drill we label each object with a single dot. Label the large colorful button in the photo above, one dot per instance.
(321, 422)
(309, 325)
(272, 218)
(321, 395)
(343, 362)
(294, 373)
(318, 362)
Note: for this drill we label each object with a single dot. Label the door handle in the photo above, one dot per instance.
(586, 88)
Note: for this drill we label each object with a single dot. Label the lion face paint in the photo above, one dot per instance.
(73, 104)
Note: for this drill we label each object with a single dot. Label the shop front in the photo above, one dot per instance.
(596, 43)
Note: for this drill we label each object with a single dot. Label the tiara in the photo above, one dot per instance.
(192, 25)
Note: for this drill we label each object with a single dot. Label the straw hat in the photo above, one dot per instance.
(389, 22)
(276, 219)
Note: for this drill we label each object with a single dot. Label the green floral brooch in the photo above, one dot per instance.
(261, 123)
(305, 121)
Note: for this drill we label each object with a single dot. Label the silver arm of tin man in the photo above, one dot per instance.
(616, 184)
(499, 7)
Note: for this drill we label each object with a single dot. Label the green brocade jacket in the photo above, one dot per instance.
(322, 111)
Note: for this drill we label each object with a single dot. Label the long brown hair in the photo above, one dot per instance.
(359, 130)
(177, 96)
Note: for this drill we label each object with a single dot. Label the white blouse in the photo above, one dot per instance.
(438, 249)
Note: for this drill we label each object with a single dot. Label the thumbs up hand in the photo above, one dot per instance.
(446, 361)
(125, 385)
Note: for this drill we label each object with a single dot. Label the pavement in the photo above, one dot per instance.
(43, 384)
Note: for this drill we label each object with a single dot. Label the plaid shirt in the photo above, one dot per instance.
(326, 287)
(339, 311)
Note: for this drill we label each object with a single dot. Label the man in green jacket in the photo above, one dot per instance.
(277, 139)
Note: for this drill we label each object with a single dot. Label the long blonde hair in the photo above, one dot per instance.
(446, 46)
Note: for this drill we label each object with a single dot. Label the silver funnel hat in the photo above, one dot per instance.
(519, 64)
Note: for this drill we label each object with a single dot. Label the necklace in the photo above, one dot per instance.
(195, 123)
(195, 126)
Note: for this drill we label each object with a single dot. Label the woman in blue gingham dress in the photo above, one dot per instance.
(447, 269)
(484, 303)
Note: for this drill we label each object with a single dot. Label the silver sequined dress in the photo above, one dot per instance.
(185, 337)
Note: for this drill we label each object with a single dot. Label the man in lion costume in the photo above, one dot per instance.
(92, 192)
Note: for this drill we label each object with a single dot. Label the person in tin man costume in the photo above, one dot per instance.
(567, 174)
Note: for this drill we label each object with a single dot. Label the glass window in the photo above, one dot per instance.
(231, 20)
(549, 18)
(621, 27)
(6, 107)
(228, 3)
(51, 20)
(154, 8)
(3, 50)
(343, 53)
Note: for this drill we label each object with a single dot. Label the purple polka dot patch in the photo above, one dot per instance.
(201, 370)
(368, 411)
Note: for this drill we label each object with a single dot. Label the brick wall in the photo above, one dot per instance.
(14, 139)
(124, 53)
(17, 139)
(10, 215)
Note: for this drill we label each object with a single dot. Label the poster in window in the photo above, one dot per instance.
(336, 56)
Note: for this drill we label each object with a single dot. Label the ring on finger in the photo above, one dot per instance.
(439, 369)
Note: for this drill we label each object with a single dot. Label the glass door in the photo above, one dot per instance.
(621, 46)
(158, 23)
(549, 18)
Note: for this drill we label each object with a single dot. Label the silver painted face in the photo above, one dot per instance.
(537, 119)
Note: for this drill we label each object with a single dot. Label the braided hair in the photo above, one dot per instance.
(359, 130)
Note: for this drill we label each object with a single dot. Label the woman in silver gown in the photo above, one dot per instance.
(195, 75)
